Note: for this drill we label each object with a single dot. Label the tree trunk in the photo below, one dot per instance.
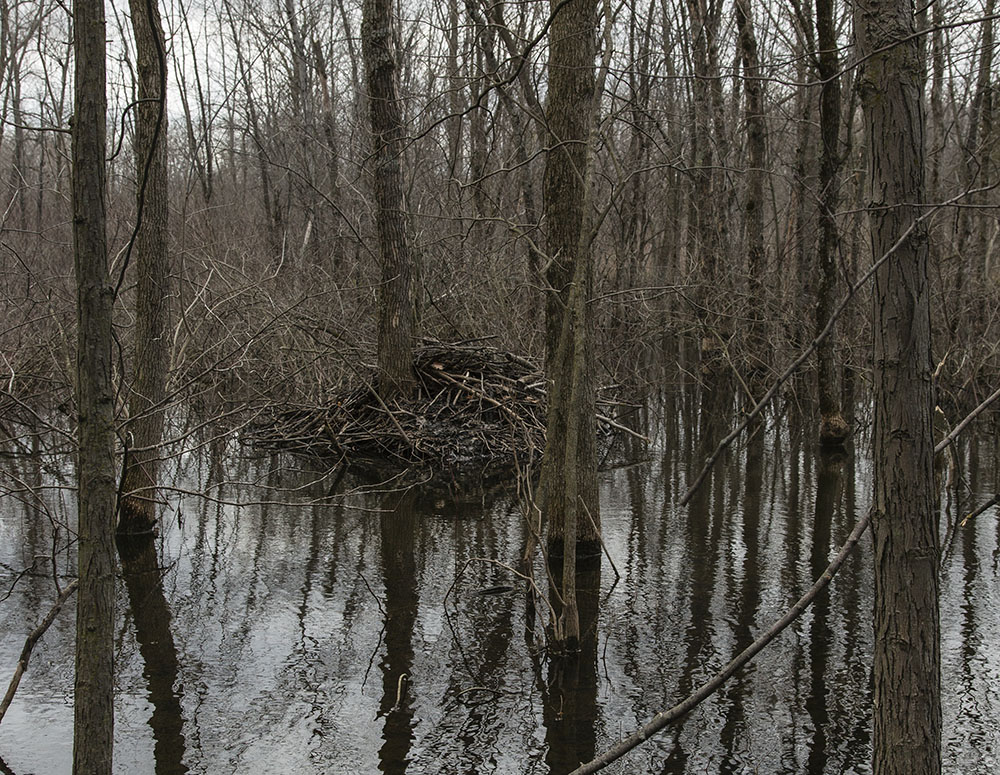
(833, 428)
(978, 152)
(395, 308)
(93, 729)
(568, 486)
(907, 690)
(802, 288)
(152, 296)
(756, 129)
(703, 222)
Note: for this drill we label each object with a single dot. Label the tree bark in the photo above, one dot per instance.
(152, 295)
(906, 665)
(704, 221)
(395, 309)
(802, 288)
(833, 428)
(93, 729)
(756, 129)
(568, 484)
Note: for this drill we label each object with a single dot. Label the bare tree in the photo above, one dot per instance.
(395, 308)
(93, 729)
(907, 696)
(568, 487)
(833, 428)
(756, 129)
(152, 295)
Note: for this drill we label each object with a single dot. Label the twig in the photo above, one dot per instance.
(706, 690)
(600, 538)
(624, 429)
(941, 445)
(378, 600)
(399, 692)
(29, 644)
(991, 502)
(804, 355)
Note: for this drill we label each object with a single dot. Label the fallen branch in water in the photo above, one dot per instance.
(29, 644)
(706, 690)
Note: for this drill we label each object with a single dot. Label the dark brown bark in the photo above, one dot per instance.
(804, 167)
(978, 153)
(93, 729)
(978, 111)
(833, 428)
(455, 91)
(568, 486)
(703, 221)
(756, 129)
(937, 108)
(152, 295)
(633, 238)
(395, 308)
(906, 665)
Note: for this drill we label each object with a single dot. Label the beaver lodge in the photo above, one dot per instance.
(475, 405)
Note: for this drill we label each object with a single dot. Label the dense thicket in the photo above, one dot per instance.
(709, 190)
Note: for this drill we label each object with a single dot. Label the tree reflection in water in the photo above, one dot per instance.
(268, 623)
(151, 615)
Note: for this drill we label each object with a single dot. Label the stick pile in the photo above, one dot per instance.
(473, 405)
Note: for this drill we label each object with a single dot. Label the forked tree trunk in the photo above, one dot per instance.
(906, 665)
(93, 727)
(395, 308)
(152, 295)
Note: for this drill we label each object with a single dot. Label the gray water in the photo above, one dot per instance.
(290, 602)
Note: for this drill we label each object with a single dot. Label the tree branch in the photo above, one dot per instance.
(706, 690)
(29, 644)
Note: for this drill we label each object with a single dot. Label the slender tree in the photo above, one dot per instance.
(395, 309)
(907, 685)
(833, 428)
(756, 129)
(93, 729)
(568, 485)
(152, 295)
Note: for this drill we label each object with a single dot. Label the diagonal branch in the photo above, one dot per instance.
(29, 644)
(804, 355)
(706, 690)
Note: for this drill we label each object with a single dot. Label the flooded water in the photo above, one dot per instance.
(294, 623)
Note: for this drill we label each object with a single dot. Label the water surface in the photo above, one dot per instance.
(297, 622)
